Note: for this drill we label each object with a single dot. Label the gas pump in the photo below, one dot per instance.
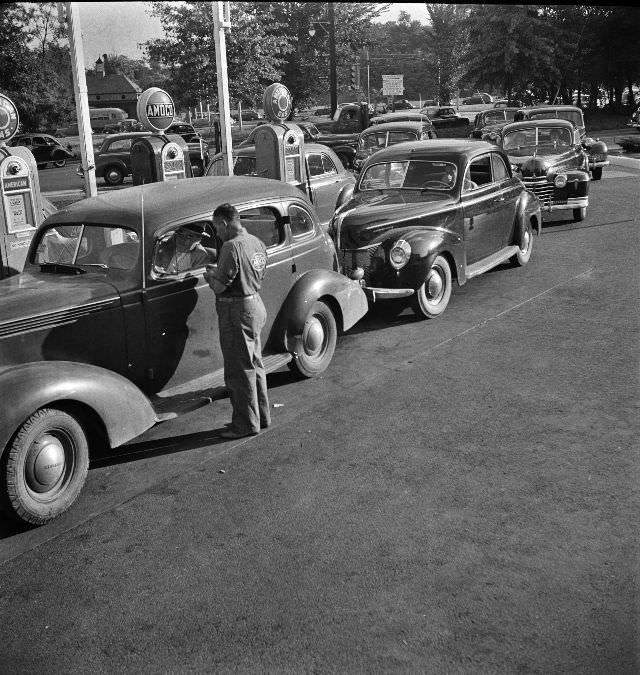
(280, 145)
(21, 210)
(159, 157)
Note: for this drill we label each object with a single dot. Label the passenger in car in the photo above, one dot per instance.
(183, 251)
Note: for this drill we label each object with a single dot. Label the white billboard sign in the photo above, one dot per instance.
(392, 85)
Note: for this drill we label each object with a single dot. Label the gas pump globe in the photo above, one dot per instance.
(280, 145)
(20, 200)
(159, 157)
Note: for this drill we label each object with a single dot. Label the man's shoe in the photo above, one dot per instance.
(232, 434)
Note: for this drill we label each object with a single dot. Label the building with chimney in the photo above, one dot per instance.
(107, 89)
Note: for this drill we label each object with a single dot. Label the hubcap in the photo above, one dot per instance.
(435, 286)
(45, 464)
(313, 337)
(525, 243)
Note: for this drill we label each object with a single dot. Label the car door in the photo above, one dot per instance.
(310, 246)
(482, 208)
(510, 190)
(325, 183)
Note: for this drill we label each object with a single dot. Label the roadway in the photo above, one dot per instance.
(458, 495)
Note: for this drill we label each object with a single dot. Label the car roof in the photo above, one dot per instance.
(127, 134)
(551, 107)
(167, 202)
(391, 126)
(450, 148)
(527, 124)
(250, 150)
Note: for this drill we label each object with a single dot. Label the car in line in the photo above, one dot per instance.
(549, 158)
(596, 150)
(487, 122)
(328, 183)
(113, 158)
(380, 136)
(124, 126)
(45, 148)
(424, 215)
(344, 145)
(99, 342)
(635, 120)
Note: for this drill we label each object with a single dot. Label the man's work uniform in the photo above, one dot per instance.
(241, 316)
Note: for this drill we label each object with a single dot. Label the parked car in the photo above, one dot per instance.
(635, 120)
(329, 184)
(550, 160)
(124, 126)
(447, 122)
(425, 214)
(113, 159)
(248, 115)
(380, 136)
(487, 122)
(344, 145)
(596, 150)
(46, 149)
(402, 104)
(478, 99)
(401, 116)
(98, 342)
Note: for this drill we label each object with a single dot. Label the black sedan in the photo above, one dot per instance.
(424, 214)
(45, 148)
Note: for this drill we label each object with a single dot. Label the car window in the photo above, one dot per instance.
(263, 222)
(38, 140)
(328, 165)
(121, 145)
(414, 174)
(480, 170)
(493, 117)
(300, 221)
(314, 162)
(500, 171)
(401, 136)
(243, 166)
(181, 250)
(373, 141)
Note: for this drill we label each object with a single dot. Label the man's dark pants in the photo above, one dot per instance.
(240, 322)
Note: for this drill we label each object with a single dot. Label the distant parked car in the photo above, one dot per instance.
(402, 104)
(635, 120)
(490, 120)
(424, 215)
(124, 126)
(46, 149)
(247, 115)
(548, 157)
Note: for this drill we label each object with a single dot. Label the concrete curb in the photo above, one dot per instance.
(629, 162)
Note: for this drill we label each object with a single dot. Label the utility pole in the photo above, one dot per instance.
(82, 98)
(222, 24)
(333, 79)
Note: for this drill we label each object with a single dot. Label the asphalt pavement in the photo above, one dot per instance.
(452, 496)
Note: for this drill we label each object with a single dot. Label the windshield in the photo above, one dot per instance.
(574, 116)
(410, 175)
(545, 140)
(88, 245)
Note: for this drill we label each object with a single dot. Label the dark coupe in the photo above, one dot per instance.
(98, 341)
(424, 214)
(45, 148)
(550, 160)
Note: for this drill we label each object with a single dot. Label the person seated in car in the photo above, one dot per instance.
(183, 250)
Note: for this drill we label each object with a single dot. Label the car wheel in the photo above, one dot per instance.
(579, 214)
(319, 337)
(596, 174)
(524, 252)
(59, 163)
(113, 175)
(45, 467)
(432, 298)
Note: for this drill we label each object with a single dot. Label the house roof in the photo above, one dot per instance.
(111, 84)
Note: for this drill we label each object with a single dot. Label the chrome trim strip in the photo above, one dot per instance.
(386, 293)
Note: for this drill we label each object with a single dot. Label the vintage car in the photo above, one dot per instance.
(379, 136)
(46, 149)
(328, 185)
(124, 126)
(444, 125)
(424, 214)
(635, 120)
(344, 145)
(550, 160)
(113, 158)
(487, 122)
(596, 150)
(99, 342)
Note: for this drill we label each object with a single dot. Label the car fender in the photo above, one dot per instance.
(594, 146)
(527, 207)
(345, 297)
(345, 195)
(111, 161)
(124, 410)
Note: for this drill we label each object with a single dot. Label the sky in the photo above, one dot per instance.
(118, 27)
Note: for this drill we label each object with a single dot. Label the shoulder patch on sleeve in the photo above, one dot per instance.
(259, 261)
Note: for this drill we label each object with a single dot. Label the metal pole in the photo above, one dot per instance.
(221, 22)
(82, 99)
(368, 80)
(333, 79)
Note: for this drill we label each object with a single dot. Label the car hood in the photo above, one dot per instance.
(368, 218)
(538, 165)
(28, 295)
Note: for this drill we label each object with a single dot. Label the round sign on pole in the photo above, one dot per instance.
(155, 109)
(276, 102)
(9, 119)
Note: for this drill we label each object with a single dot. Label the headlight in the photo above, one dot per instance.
(399, 254)
(560, 180)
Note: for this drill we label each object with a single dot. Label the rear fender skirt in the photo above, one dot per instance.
(346, 298)
(528, 207)
(125, 411)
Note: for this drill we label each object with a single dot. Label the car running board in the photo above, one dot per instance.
(183, 398)
(492, 261)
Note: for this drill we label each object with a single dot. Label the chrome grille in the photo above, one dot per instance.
(542, 189)
(351, 258)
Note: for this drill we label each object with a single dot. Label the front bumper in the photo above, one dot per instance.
(571, 203)
(595, 163)
(375, 294)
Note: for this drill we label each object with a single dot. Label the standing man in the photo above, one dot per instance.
(236, 281)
